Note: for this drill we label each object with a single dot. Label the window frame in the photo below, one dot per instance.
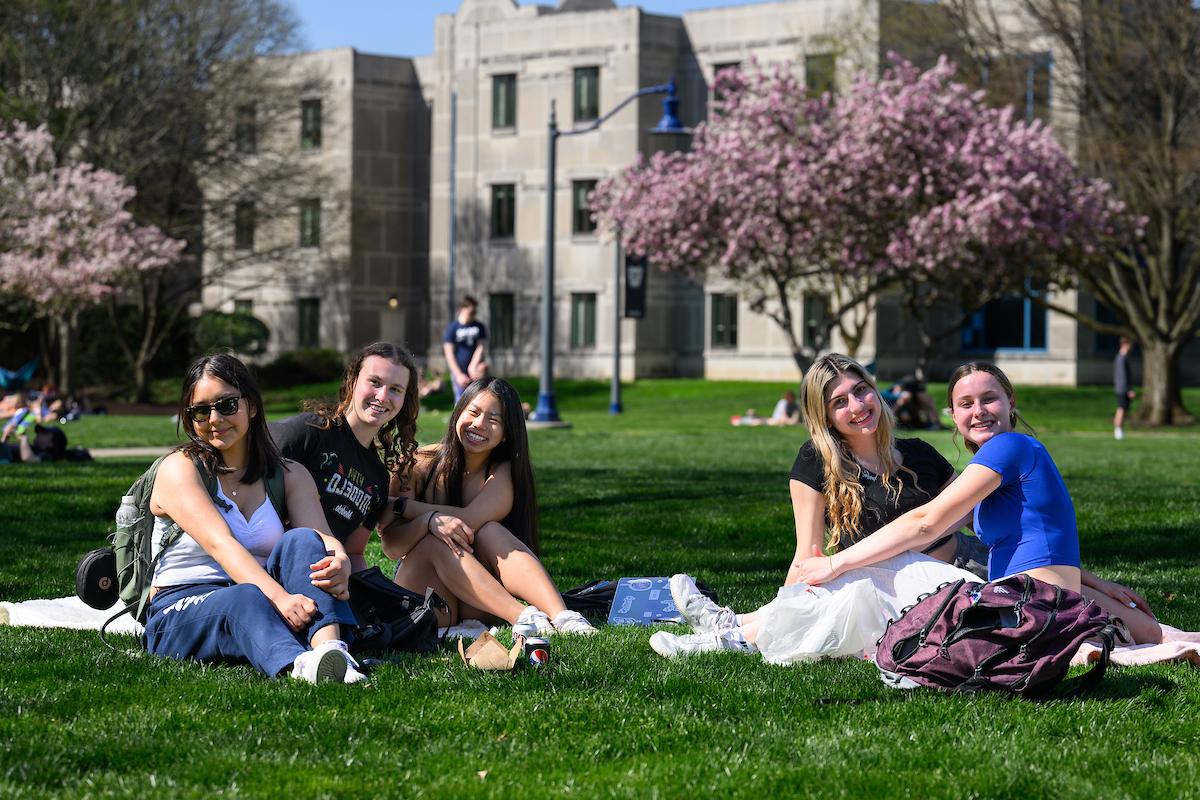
(502, 321)
(723, 321)
(311, 122)
(583, 320)
(310, 222)
(245, 222)
(308, 320)
(585, 109)
(502, 220)
(245, 130)
(509, 123)
(582, 222)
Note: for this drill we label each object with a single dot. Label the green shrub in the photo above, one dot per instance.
(239, 332)
(311, 365)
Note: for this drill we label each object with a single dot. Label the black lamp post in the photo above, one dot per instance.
(547, 409)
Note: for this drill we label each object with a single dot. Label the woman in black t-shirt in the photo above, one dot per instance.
(354, 447)
(853, 477)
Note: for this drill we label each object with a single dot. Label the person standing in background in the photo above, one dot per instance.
(1122, 386)
(463, 345)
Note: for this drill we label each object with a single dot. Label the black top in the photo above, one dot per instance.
(351, 479)
(879, 509)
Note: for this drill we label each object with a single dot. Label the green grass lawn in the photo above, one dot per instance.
(668, 486)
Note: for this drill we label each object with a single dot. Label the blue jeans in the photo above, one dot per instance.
(224, 622)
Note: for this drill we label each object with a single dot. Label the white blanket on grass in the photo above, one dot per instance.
(71, 612)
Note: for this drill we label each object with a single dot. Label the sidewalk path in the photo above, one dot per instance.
(128, 452)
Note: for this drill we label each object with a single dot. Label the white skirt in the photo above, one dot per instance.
(846, 616)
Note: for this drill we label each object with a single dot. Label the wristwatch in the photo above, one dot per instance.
(398, 506)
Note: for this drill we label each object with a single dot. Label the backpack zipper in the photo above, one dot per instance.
(937, 614)
(1024, 654)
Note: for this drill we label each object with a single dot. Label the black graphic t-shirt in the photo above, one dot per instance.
(879, 508)
(350, 478)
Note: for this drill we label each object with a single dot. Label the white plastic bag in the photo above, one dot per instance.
(805, 623)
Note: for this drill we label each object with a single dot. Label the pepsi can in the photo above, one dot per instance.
(537, 650)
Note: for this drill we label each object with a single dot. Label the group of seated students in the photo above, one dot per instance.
(879, 497)
(242, 584)
(460, 516)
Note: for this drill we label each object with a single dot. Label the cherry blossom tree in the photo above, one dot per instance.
(66, 240)
(908, 182)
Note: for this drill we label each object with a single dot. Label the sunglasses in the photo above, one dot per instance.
(226, 407)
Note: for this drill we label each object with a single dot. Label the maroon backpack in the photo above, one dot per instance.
(1016, 635)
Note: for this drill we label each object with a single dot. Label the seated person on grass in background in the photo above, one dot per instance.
(241, 584)
(43, 443)
(1024, 516)
(786, 411)
(353, 448)
(469, 526)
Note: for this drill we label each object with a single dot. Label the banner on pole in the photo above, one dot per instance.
(636, 270)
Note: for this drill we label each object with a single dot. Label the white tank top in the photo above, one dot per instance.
(185, 561)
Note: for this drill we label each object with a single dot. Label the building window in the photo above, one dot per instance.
(717, 70)
(581, 213)
(504, 101)
(309, 319)
(587, 94)
(310, 222)
(504, 210)
(1022, 81)
(820, 74)
(1007, 323)
(310, 124)
(816, 312)
(1106, 343)
(243, 306)
(723, 333)
(245, 132)
(501, 316)
(583, 320)
(243, 225)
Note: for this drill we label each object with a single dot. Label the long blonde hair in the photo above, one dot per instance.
(843, 475)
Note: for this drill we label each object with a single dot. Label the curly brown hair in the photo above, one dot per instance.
(397, 440)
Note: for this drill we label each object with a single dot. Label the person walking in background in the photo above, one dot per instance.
(1122, 385)
(463, 346)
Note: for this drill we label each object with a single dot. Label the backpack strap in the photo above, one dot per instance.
(277, 493)
(1089, 680)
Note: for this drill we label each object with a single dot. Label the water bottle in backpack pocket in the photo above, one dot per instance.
(1017, 634)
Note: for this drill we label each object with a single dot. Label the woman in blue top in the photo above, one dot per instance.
(1023, 512)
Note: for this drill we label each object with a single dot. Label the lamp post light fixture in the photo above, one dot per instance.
(547, 409)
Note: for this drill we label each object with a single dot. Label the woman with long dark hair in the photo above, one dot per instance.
(354, 447)
(238, 585)
(468, 524)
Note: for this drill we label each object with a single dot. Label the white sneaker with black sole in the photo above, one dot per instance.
(702, 614)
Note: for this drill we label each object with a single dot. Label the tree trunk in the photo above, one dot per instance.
(1162, 398)
(67, 325)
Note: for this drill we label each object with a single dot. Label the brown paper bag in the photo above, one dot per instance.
(486, 652)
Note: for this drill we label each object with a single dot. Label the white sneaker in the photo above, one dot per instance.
(532, 615)
(572, 622)
(702, 614)
(1118, 433)
(323, 663)
(670, 645)
(352, 673)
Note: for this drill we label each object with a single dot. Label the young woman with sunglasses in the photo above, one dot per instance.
(238, 585)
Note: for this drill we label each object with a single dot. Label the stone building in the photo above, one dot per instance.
(343, 261)
(394, 130)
